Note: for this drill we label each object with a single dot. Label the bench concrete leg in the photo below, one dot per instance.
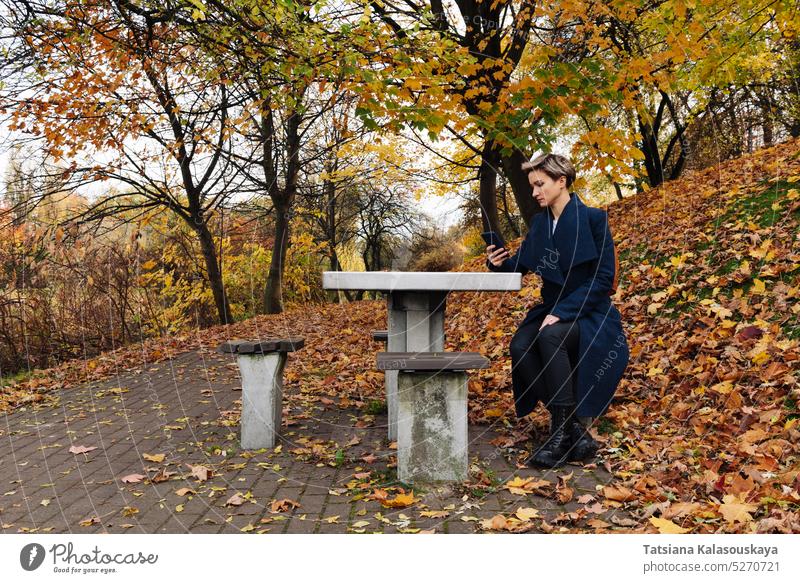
(432, 427)
(262, 390)
(416, 324)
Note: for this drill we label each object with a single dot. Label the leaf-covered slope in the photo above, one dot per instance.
(707, 412)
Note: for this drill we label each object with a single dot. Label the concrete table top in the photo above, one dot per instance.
(421, 281)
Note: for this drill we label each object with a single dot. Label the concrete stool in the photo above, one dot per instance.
(432, 413)
(261, 366)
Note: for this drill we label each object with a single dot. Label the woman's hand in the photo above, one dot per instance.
(549, 319)
(496, 258)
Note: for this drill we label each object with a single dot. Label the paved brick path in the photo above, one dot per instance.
(185, 409)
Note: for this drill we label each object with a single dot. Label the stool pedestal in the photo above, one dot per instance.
(261, 365)
(262, 394)
(432, 427)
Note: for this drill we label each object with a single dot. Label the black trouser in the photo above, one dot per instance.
(552, 344)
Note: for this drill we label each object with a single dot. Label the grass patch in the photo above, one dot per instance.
(17, 377)
(376, 407)
(605, 426)
(757, 207)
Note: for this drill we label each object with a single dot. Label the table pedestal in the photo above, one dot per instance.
(416, 324)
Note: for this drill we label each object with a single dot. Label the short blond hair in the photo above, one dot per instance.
(554, 165)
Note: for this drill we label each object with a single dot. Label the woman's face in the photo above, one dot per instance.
(545, 189)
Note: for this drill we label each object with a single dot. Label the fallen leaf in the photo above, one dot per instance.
(185, 491)
(618, 494)
(525, 514)
(156, 458)
(734, 509)
(400, 501)
(161, 476)
(235, 500)
(200, 472)
(563, 491)
(132, 478)
(665, 526)
(496, 522)
(81, 449)
(434, 514)
(283, 505)
(89, 521)
(526, 486)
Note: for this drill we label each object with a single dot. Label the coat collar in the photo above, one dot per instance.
(554, 254)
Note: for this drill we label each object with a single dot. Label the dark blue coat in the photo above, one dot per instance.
(576, 264)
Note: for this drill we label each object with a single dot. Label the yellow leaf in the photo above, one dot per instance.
(332, 519)
(400, 501)
(758, 287)
(89, 521)
(735, 510)
(434, 514)
(665, 526)
(723, 388)
(525, 514)
(157, 458)
(130, 511)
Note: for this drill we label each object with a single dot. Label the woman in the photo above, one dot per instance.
(569, 245)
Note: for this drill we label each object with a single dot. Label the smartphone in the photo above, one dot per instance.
(493, 238)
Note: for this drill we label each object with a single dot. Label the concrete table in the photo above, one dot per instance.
(416, 308)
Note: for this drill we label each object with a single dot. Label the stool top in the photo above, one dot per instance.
(262, 346)
(433, 361)
(380, 335)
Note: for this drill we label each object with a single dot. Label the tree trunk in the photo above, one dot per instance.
(518, 179)
(273, 303)
(652, 158)
(487, 177)
(209, 250)
(282, 202)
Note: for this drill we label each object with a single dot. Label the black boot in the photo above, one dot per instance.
(554, 452)
(584, 446)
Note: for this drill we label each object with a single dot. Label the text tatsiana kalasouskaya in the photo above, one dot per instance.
(709, 550)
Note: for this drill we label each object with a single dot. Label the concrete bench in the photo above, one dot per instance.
(380, 335)
(432, 413)
(261, 365)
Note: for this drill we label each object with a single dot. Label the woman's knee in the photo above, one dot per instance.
(521, 343)
(553, 333)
